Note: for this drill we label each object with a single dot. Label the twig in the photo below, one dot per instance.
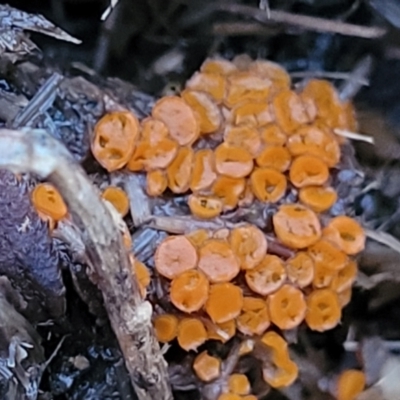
(354, 136)
(329, 75)
(108, 10)
(384, 238)
(241, 29)
(305, 21)
(37, 152)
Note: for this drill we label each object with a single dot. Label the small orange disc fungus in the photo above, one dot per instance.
(323, 310)
(218, 261)
(245, 137)
(224, 303)
(268, 184)
(346, 233)
(206, 367)
(191, 333)
(277, 345)
(254, 318)
(222, 332)
(218, 66)
(267, 277)
(327, 256)
(252, 114)
(179, 171)
(207, 111)
(212, 83)
(315, 140)
(118, 198)
(350, 384)
(344, 278)
(239, 384)
(232, 161)
(282, 375)
(156, 182)
(276, 157)
(287, 307)
(300, 269)
(47, 200)
(165, 327)
(249, 397)
(273, 135)
(345, 296)
(243, 87)
(153, 131)
(198, 237)
(308, 171)
(114, 139)
(142, 275)
(203, 172)
(296, 226)
(189, 291)
(179, 118)
(149, 156)
(318, 198)
(289, 111)
(323, 277)
(175, 255)
(249, 244)
(205, 207)
(273, 71)
(229, 190)
(229, 396)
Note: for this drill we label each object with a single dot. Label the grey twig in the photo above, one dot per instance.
(38, 152)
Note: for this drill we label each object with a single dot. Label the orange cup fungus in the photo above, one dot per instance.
(350, 384)
(239, 135)
(48, 202)
(118, 198)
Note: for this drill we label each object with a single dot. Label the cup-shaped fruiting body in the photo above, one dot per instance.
(274, 72)
(300, 269)
(153, 131)
(218, 66)
(275, 157)
(218, 261)
(296, 226)
(212, 83)
(239, 384)
(142, 275)
(114, 139)
(175, 255)
(47, 200)
(206, 110)
(179, 171)
(273, 135)
(118, 198)
(318, 198)
(165, 327)
(233, 161)
(344, 278)
(206, 367)
(308, 171)
(189, 291)
(252, 113)
(327, 256)
(346, 234)
(323, 310)
(245, 137)
(221, 332)
(178, 117)
(249, 244)
(205, 207)
(225, 302)
(268, 185)
(350, 384)
(254, 317)
(287, 307)
(191, 333)
(267, 277)
(229, 190)
(203, 171)
(315, 140)
(156, 182)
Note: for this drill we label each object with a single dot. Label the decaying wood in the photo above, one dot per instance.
(37, 152)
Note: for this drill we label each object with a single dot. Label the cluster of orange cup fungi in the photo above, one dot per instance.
(235, 134)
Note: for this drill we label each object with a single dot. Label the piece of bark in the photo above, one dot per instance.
(36, 151)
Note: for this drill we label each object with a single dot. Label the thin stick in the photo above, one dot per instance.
(38, 152)
(354, 136)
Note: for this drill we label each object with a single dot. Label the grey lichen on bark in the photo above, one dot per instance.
(38, 152)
